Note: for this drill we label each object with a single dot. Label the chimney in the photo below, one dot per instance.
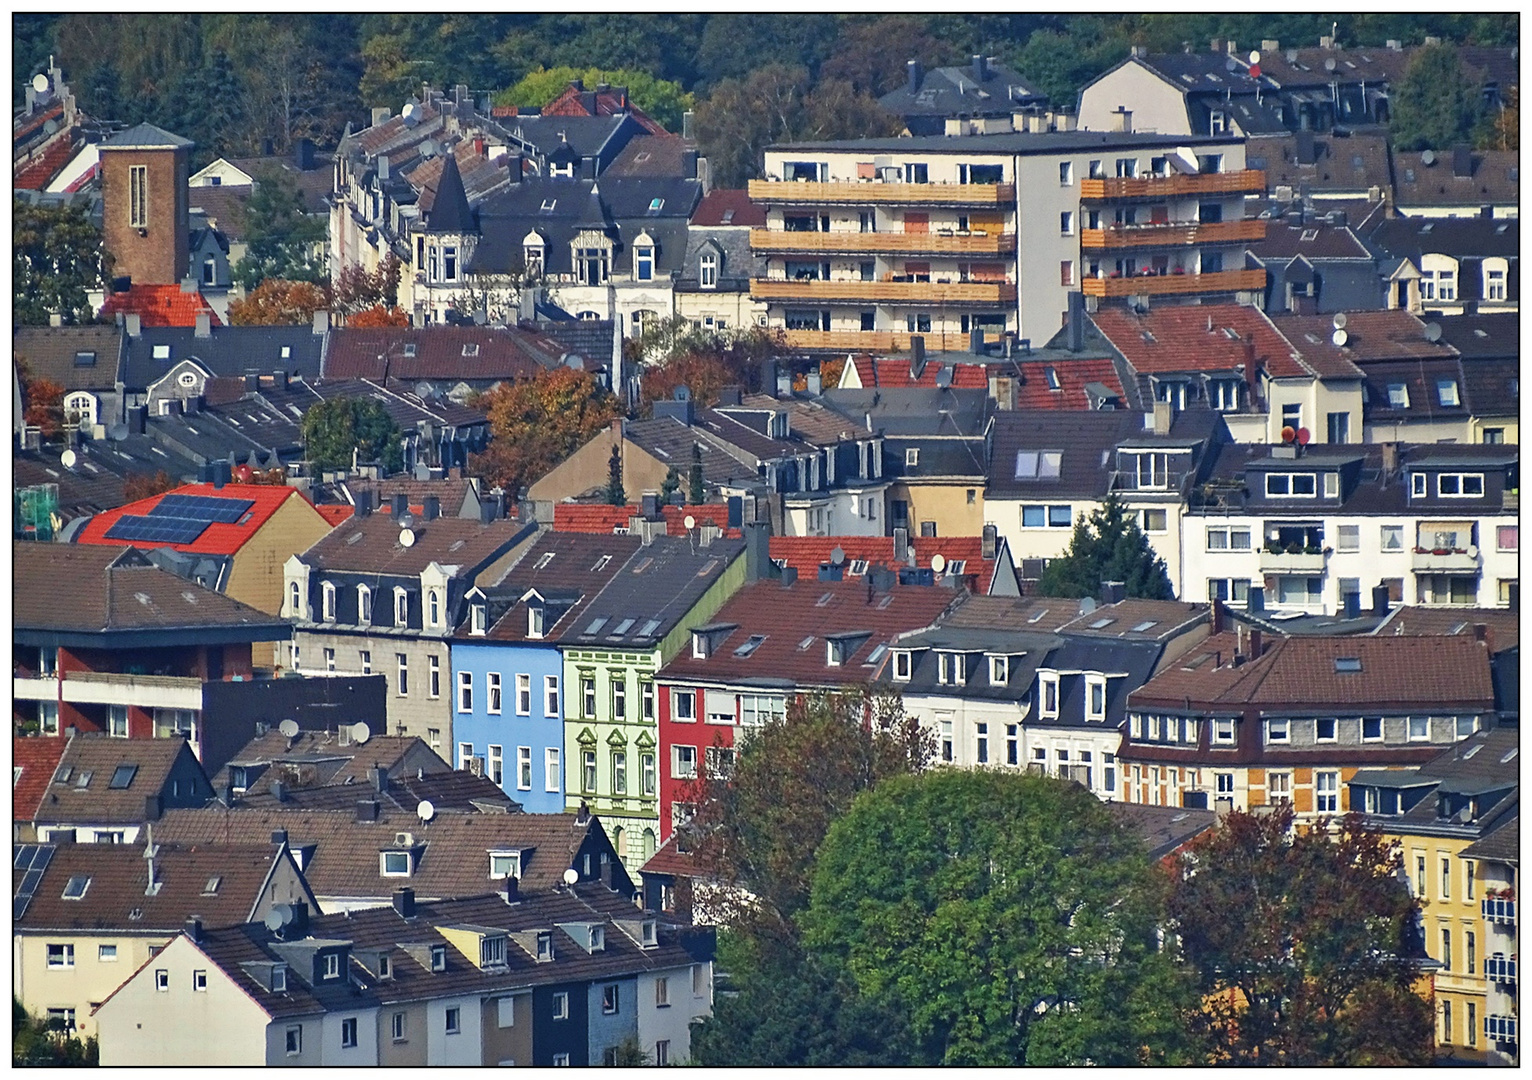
(279, 379)
(917, 356)
(303, 155)
(153, 807)
(1255, 644)
(1256, 604)
(380, 115)
(367, 810)
(1252, 378)
(404, 902)
(1304, 151)
(815, 385)
(1482, 632)
(978, 68)
(1113, 592)
(1219, 614)
(688, 119)
(1380, 600)
(990, 543)
(279, 836)
(512, 889)
(1075, 338)
(901, 544)
(194, 929)
(226, 796)
(1390, 459)
(204, 325)
(1351, 605)
(431, 508)
(1462, 161)
(401, 505)
(650, 504)
(583, 816)
(789, 576)
(1162, 417)
(321, 323)
(707, 532)
(976, 341)
(784, 384)
(138, 419)
(758, 565)
(279, 791)
(916, 75)
(363, 503)
(606, 872)
(382, 163)
(189, 285)
(1122, 120)
(1216, 45)
(134, 324)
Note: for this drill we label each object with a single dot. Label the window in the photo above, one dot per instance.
(61, 956)
(1446, 957)
(1324, 729)
(609, 999)
(646, 699)
(1154, 521)
(647, 773)
(1447, 393)
(662, 993)
(1372, 729)
(911, 457)
(1066, 173)
(1048, 685)
(1223, 732)
(438, 958)
(1293, 484)
(561, 1009)
(1470, 958)
(434, 685)
(138, 196)
(1348, 537)
(1066, 223)
(683, 705)
(396, 864)
(981, 743)
(1223, 784)
(662, 1052)
(364, 658)
(551, 780)
(588, 696)
(348, 1033)
(1446, 1020)
(643, 263)
(1066, 270)
(496, 763)
(1228, 539)
(619, 697)
(117, 721)
(1391, 537)
(1494, 284)
(1326, 788)
(1095, 698)
(1460, 485)
(294, 1041)
(683, 762)
(436, 607)
(401, 608)
(707, 271)
(464, 689)
(999, 670)
(902, 665)
(1224, 394)
(619, 772)
(327, 591)
(1277, 730)
(332, 966)
(1419, 729)
(106, 954)
(1279, 785)
(403, 662)
(1446, 890)
(454, 1020)
(279, 979)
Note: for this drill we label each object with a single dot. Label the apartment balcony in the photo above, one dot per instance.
(1500, 1028)
(1246, 182)
(1172, 235)
(34, 688)
(1499, 969)
(145, 691)
(1303, 563)
(876, 192)
(1456, 561)
(1499, 909)
(930, 293)
(1175, 284)
(873, 341)
(954, 242)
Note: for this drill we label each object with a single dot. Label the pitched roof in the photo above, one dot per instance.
(330, 761)
(1084, 441)
(449, 209)
(894, 371)
(1504, 626)
(69, 588)
(1501, 845)
(950, 91)
(228, 351)
(671, 441)
(1370, 335)
(729, 206)
(120, 774)
(145, 135)
(1204, 337)
(1493, 178)
(452, 493)
(794, 624)
(219, 885)
(572, 517)
(371, 544)
(1354, 163)
(160, 305)
(1314, 240)
(36, 757)
(224, 206)
(219, 538)
(806, 553)
(439, 352)
(575, 100)
(567, 569)
(1475, 237)
(1164, 829)
(58, 353)
(38, 172)
(670, 859)
(653, 155)
(1494, 335)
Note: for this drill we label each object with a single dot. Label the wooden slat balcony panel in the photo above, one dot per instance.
(873, 341)
(888, 292)
(880, 243)
(1175, 284)
(1135, 236)
(868, 192)
(1249, 181)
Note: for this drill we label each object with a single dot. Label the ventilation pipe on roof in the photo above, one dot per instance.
(1075, 327)
(916, 74)
(917, 357)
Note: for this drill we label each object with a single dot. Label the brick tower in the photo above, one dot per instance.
(144, 204)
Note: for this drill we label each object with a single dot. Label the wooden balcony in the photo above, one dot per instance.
(1175, 284)
(940, 242)
(1167, 235)
(876, 192)
(884, 292)
(873, 341)
(1245, 182)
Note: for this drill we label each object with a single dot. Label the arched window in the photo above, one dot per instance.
(328, 592)
(295, 601)
(401, 607)
(648, 844)
(617, 839)
(80, 408)
(363, 605)
(436, 607)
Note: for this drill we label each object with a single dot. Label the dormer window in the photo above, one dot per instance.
(504, 864)
(1224, 394)
(597, 938)
(401, 607)
(592, 265)
(545, 945)
(535, 616)
(295, 600)
(999, 670)
(327, 591)
(643, 258)
(395, 863)
(435, 607)
(1290, 485)
(279, 979)
(491, 951)
(438, 958)
(1048, 691)
(707, 270)
(902, 665)
(331, 965)
(363, 605)
(1460, 485)
(702, 646)
(835, 652)
(1398, 396)
(478, 618)
(1447, 393)
(449, 263)
(1095, 698)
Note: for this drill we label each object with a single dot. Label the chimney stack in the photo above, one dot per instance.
(134, 324)
(1380, 600)
(404, 902)
(194, 929)
(367, 809)
(204, 325)
(916, 74)
(401, 504)
(512, 889)
(431, 508)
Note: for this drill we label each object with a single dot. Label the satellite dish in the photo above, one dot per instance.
(289, 728)
(571, 876)
(427, 148)
(837, 556)
(1428, 157)
(40, 83)
(68, 459)
(117, 432)
(938, 562)
(1340, 338)
(1304, 435)
(406, 538)
(1255, 58)
(1433, 331)
(1288, 434)
(1330, 63)
(273, 920)
(360, 732)
(1339, 322)
(408, 113)
(1472, 550)
(425, 811)
(690, 522)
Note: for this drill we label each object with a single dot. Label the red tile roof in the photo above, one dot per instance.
(217, 538)
(160, 305)
(713, 210)
(1036, 390)
(895, 372)
(601, 518)
(1173, 339)
(805, 553)
(1370, 335)
(35, 174)
(335, 513)
(575, 101)
(37, 758)
(670, 859)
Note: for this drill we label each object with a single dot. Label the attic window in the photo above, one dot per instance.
(597, 938)
(214, 883)
(875, 656)
(1347, 663)
(1308, 234)
(162, 352)
(122, 777)
(750, 644)
(649, 628)
(805, 643)
(824, 599)
(601, 562)
(655, 204)
(438, 958)
(548, 205)
(544, 560)
(85, 358)
(1102, 623)
(1038, 465)
(394, 863)
(287, 352)
(1398, 396)
(75, 889)
(471, 349)
(1145, 625)
(1508, 756)
(1053, 379)
(596, 625)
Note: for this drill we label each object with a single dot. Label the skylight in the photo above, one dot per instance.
(122, 776)
(876, 655)
(623, 627)
(75, 889)
(547, 557)
(1472, 750)
(1100, 623)
(601, 562)
(1508, 756)
(824, 599)
(1039, 616)
(750, 644)
(1146, 625)
(805, 643)
(596, 625)
(1038, 464)
(649, 628)
(1348, 663)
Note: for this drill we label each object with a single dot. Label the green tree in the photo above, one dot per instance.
(672, 483)
(697, 490)
(57, 257)
(538, 423)
(1301, 942)
(1011, 918)
(1107, 546)
(336, 430)
(661, 99)
(37, 1042)
(615, 496)
(1435, 104)
(283, 241)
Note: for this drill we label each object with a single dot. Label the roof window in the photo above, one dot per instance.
(122, 776)
(1347, 664)
(75, 889)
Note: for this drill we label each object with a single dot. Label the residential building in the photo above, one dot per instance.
(870, 240)
(1320, 168)
(1432, 524)
(382, 595)
(87, 917)
(1186, 93)
(1495, 857)
(981, 563)
(627, 632)
(86, 362)
(1489, 348)
(497, 980)
(166, 366)
(712, 284)
(248, 528)
(1449, 266)
(1436, 813)
(1458, 183)
(507, 671)
(982, 98)
(1242, 721)
(772, 645)
(1317, 263)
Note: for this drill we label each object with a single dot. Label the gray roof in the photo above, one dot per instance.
(59, 353)
(736, 262)
(948, 91)
(1410, 237)
(913, 411)
(1085, 441)
(228, 350)
(1482, 336)
(449, 212)
(1501, 845)
(661, 583)
(145, 135)
(671, 441)
(1045, 142)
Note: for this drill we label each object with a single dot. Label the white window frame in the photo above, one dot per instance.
(1326, 795)
(902, 665)
(1225, 732)
(1095, 684)
(1278, 730)
(401, 606)
(1461, 481)
(138, 196)
(999, 670)
(552, 781)
(493, 695)
(1047, 695)
(464, 691)
(402, 672)
(363, 605)
(523, 693)
(433, 677)
(550, 695)
(707, 270)
(60, 956)
(683, 762)
(327, 599)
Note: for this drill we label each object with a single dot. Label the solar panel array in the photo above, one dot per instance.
(33, 859)
(161, 530)
(202, 508)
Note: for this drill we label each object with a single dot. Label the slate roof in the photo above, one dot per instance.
(100, 757)
(914, 411)
(1133, 660)
(1351, 65)
(1165, 829)
(160, 305)
(227, 351)
(1501, 845)
(1493, 387)
(655, 155)
(806, 553)
(1476, 237)
(810, 419)
(72, 589)
(221, 885)
(1351, 164)
(570, 579)
(218, 538)
(1491, 336)
(588, 136)
(737, 263)
(449, 208)
(796, 622)
(950, 91)
(52, 353)
(1370, 335)
(478, 177)
(1494, 180)
(1085, 440)
(37, 757)
(224, 206)
(1316, 241)
(370, 544)
(440, 352)
(671, 441)
(332, 762)
(403, 403)
(145, 135)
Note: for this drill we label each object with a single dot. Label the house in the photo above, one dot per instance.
(1430, 524)
(556, 979)
(166, 366)
(1321, 168)
(1317, 264)
(105, 790)
(982, 98)
(507, 668)
(386, 590)
(980, 563)
(1241, 721)
(603, 100)
(85, 362)
(1186, 93)
(222, 189)
(1449, 266)
(712, 284)
(1489, 348)
(177, 306)
(1436, 812)
(106, 641)
(770, 647)
(601, 518)
(88, 916)
(925, 235)
(249, 528)
(1460, 183)
(355, 860)
(456, 362)
(436, 432)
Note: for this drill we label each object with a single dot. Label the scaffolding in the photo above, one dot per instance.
(36, 512)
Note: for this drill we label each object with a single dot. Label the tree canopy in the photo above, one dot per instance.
(663, 100)
(276, 302)
(334, 430)
(1435, 104)
(282, 240)
(56, 258)
(538, 423)
(1107, 546)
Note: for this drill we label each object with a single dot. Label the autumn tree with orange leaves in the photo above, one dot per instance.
(137, 486)
(276, 302)
(377, 316)
(538, 423)
(42, 401)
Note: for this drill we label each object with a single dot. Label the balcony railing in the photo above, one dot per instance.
(1177, 235)
(1500, 1028)
(1175, 284)
(1247, 181)
(147, 691)
(874, 341)
(867, 192)
(1501, 970)
(1454, 562)
(937, 242)
(1497, 909)
(884, 292)
(1285, 563)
